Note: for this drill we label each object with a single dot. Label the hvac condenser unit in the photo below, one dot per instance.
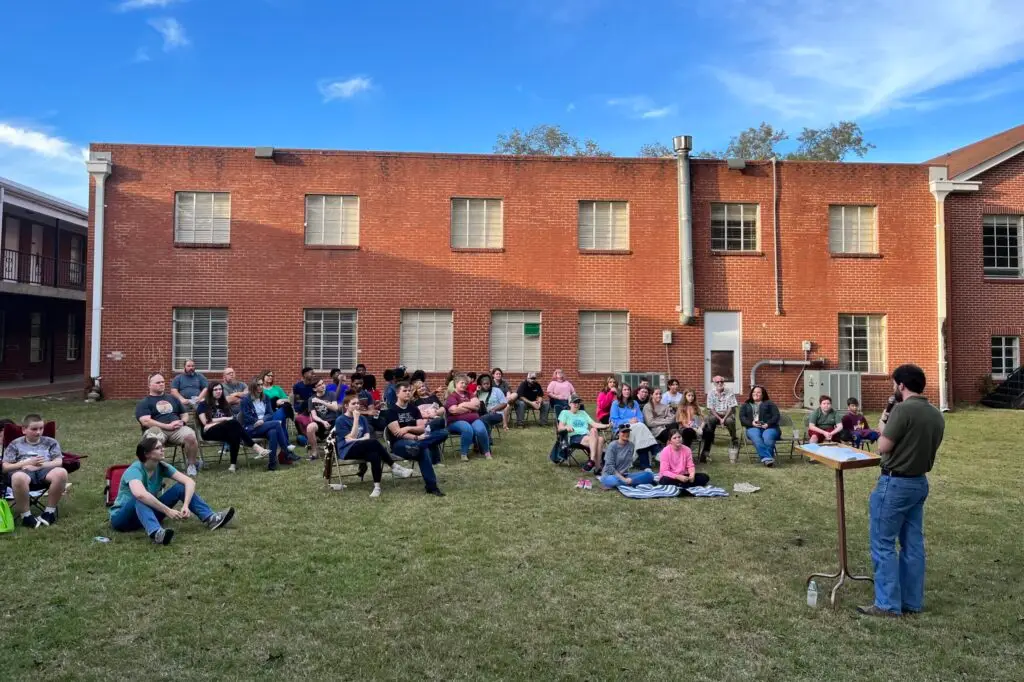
(838, 385)
(634, 378)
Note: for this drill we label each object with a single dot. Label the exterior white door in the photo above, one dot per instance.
(35, 259)
(722, 351)
(12, 240)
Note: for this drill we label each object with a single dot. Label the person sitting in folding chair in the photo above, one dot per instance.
(137, 505)
(34, 462)
(353, 441)
(411, 438)
(218, 424)
(582, 429)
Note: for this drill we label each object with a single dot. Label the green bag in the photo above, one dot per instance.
(6, 517)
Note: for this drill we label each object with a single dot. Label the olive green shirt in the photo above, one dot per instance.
(826, 421)
(916, 428)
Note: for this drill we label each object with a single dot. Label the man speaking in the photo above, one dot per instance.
(911, 435)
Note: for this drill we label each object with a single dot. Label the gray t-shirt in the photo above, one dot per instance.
(617, 457)
(233, 387)
(189, 386)
(20, 449)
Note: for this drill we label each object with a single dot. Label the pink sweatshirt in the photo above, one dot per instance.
(676, 463)
(604, 404)
(560, 390)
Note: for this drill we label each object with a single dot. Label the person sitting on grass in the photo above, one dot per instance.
(322, 407)
(34, 461)
(618, 459)
(410, 439)
(855, 425)
(676, 462)
(258, 420)
(163, 417)
(352, 432)
(137, 505)
(493, 405)
(824, 425)
(464, 419)
(582, 430)
(217, 424)
(659, 417)
(760, 417)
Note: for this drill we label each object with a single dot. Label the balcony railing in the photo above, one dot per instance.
(30, 268)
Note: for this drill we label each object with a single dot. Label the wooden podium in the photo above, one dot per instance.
(840, 458)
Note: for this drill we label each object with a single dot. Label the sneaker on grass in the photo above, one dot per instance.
(162, 536)
(48, 517)
(400, 471)
(30, 521)
(220, 519)
(191, 471)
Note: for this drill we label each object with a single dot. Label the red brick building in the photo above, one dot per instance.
(279, 258)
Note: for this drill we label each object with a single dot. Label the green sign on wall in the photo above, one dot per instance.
(531, 328)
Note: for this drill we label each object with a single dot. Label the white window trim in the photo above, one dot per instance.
(524, 364)
(202, 362)
(1015, 345)
(611, 369)
(844, 250)
(320, 359)
(349, 234)
(486, 202)
(996, 273)
(884, 350)
(596, 205)
(413, 357)
(195, 194)
(76, 265)
(73, 349)
(742, 205)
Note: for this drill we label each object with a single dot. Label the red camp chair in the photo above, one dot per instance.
(72, 462)
(113, 478)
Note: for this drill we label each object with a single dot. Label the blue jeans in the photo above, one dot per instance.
(764, 441)
(468, 433)
(277, 438)
(136, 514)
(425, 456)
(639, 478)
(897, 512)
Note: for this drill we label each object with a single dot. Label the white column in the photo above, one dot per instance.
(99, 166)
(940, 294)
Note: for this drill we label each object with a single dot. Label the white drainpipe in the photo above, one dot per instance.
(683, 144)
(99, 166)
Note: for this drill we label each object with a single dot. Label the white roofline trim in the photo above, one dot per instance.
(991, 163)
(49, 211)
(42, 198)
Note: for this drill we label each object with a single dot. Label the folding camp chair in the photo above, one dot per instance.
(567, 449)
(793, 439)
(336, 470)
(72, 462)
(113, 483)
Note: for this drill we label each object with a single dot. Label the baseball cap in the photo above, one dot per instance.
(531, 375)
(575, 399)
(624, 428)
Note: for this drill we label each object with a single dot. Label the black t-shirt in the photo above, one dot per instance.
(162, 408)
(530, 391)
(405, 416)
(321, 410)
(217, 411)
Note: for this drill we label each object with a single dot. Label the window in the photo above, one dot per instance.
(604, 225)
(1003, 245)
(862, 343)
(604, 342)
(36, 348)
(202, 217)
(332, 220)
(476, 224)
(201, 334)
(851, 229)
(734, 227)
(74, 345)
(330, 340)
(515, 340)
(75, 260)
(426, 340)
(1005, 356)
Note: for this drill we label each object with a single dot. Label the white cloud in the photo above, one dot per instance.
(863, 57)
(129, 5)
(642, 106)
(43, 161)
(141, 55)
(571, 107)
(344, 89)
(172, 31)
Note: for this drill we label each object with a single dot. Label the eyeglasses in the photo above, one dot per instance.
(719, 382)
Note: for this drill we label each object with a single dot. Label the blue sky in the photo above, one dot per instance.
(920, 76)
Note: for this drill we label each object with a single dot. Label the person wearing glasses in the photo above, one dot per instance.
(721, 412)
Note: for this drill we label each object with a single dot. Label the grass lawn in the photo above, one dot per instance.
(514, 574)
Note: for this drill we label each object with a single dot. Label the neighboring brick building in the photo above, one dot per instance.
(587, 248)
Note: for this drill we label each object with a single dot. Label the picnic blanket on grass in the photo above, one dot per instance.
(647, 491)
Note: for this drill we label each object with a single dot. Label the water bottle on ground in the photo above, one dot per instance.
(812, 594)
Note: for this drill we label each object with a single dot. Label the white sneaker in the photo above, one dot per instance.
(291, 448)
(400, 471)
(191, 470)
(231, 469)
(260, 450)
(375, 494)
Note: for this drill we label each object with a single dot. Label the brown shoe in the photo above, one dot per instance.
(877, 612)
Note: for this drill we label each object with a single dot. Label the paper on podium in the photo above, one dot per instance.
(839, 453)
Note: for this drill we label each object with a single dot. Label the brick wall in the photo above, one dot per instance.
(266, 277)
(981, 307)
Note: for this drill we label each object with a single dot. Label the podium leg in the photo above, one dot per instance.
(844, 570)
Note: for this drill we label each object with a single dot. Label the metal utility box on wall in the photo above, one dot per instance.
(633, 379)
(838, 385)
